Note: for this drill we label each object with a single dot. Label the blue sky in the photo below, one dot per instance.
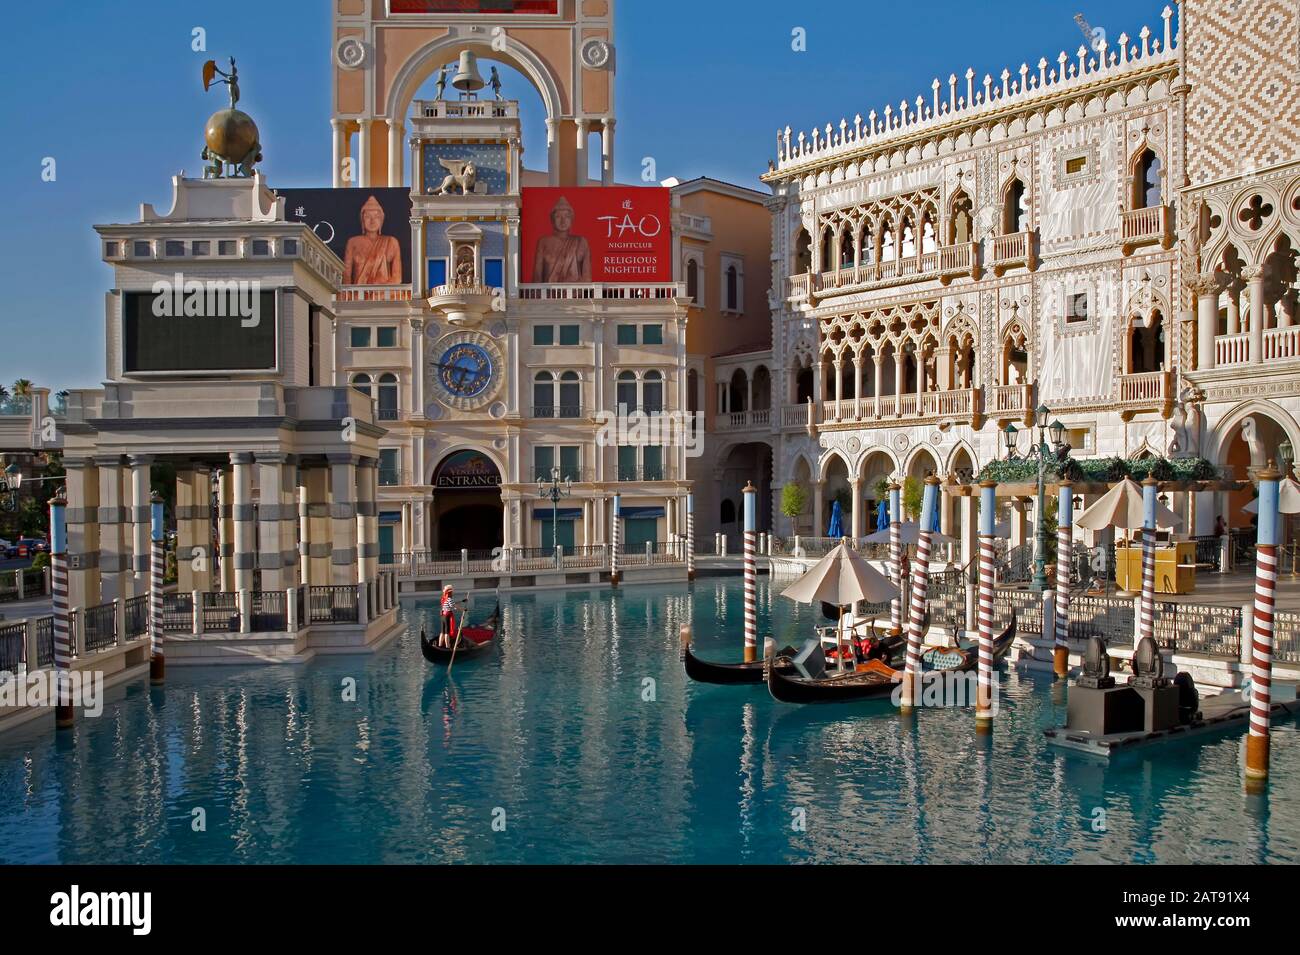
(111, 91)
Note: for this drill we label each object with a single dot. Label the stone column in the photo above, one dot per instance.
(818, 505)
(580, 156)
(362, 165)
(394, 152)
(417, 369)
(1019, 522)
(879, 361)
(340, 138)
(969, 504)
(289, 521)
(607, 152)
(367, 519)
(114, 564)
(1234, 306)
(269, 557)
(138, 581)
(857, 385)
(194, 558)
(420, 275)
(245, 557)
(226, 530)
(319, 550)
(1254, 277)
(82, 482)
(343, 518)
(553, 151)
(855, 520)
(1207, 320)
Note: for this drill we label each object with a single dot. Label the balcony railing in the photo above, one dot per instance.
(1016, 248)
(1144, 227)
(557, 411)
(798, 286)
(661, 291)
(1282, 344)
(1008, 402)
(393, 477)
(942, 264)
(374, 293)
(576, 475)
(741, 420)
(1148, 389)
(963, 402)
(1231, 350)
(798, 416)
(388, 414)
(645, 472)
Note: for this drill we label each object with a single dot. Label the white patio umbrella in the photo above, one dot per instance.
(842, 577)
(910, 533)
(1121, 506)
(1288, 498)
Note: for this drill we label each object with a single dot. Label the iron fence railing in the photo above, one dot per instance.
(1286, 637)
(1110, 618)
(220, 611)
(8, 585)
(270, 611)
(1027, 607)
(99, 627)
(137, 616)
(333, 604)
(13, 646)
(178, 613)
(1209, 552)
(45, 641)
(1198, 628)
(947, 595)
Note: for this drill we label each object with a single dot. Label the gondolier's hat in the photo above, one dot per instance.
(446, 587)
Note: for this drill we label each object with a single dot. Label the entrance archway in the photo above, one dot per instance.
(467, 509)
(1249, 444)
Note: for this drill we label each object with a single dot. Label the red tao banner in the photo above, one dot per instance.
(596, 234)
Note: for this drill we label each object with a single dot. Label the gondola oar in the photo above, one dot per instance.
(459, 625)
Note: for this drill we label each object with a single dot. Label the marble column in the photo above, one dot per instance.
(320, 526)
(855, 520)
(194, 559)
(367, 519)
(343, 518)
(340, 138)
(138, 581)
(82, 483)
(607, 152)
(270, 558)
(1207, 320)
(114, 563)
(226, 530)
(362, 165)
(245, 555)
(1254, 277)
(394, 152)
(553, 151)
(581, 161)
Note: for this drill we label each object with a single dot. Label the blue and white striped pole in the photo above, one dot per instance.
(984, 614)
(1064, 524)
(1261, 655)
(690, 536)
(920, 594)
(1147, 603)
(157, 665)
(896, 556)
(63, 713)
(751, 574)
(615, 542)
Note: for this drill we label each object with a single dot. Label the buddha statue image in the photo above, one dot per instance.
(372, 258)
(561, 257)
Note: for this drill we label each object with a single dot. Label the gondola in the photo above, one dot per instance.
(733, 674)
(473, 641)
(876, 681)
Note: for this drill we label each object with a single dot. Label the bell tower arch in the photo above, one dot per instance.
(385, 49)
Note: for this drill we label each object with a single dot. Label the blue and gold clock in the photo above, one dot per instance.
(465, 368)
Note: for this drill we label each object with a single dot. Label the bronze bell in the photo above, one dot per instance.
(467, 78)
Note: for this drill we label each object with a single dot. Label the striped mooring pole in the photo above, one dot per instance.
(615, 539)
(157, 665)
(1261, 656)
(751, 573)
(1064, 532)
(984, 613)
(690, 536)
(920, 592)
(1147, 604)
(896, 555)
(63, 713)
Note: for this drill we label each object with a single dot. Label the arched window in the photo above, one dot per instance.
(361, 382)
(570, 395)
(625, 392)
(693, 281)
(387, 397)
(1015, 208)
(543, 395)
(887, 250)
(828, 249)
(1146, 344)
(802, 253)
(733, 288)
(960, 221)
(868, 245)
(1146, 181)
(909, 239)
(846, 246)
(929, 242)
(652, 392)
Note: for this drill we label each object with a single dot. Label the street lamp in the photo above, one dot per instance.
(10, 481)
(1041, 450)
(554, 490)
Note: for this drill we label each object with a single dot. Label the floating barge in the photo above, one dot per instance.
(1219, 714)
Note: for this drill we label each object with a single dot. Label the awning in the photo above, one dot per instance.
(563, 514)
(632, 513)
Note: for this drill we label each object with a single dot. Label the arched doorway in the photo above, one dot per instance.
(467, 508)
(1247, 446)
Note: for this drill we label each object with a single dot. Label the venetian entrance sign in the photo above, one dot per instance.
(466, 471)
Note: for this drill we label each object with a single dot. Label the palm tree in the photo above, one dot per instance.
(22, 388)
(4, 394)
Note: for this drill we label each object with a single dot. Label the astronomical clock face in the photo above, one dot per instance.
(465, 370)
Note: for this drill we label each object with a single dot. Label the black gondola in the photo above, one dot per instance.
(876, 683)
(472, 641)
(734, 674)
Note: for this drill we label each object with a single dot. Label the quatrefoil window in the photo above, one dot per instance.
(1255, 212)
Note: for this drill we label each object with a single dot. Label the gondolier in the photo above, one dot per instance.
(448, 617)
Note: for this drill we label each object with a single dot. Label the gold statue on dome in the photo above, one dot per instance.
(233, 144)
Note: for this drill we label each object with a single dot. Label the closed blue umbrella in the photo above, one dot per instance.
(936, 520)
(882, 515)
(837, 521)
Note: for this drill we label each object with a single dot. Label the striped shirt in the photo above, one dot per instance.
(448, 605)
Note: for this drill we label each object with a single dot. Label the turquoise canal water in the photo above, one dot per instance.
(559, 737)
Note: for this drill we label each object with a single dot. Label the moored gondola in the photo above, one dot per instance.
(875, 680)
(470, 641)
(730, 674)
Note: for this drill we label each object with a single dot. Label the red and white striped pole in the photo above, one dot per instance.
(1261, 670)
(615, 544)
(984, 613)
(157, 665)
(1147, 603)
(751, 573)
(920, 592)
(1064, 525)
(690, 536)
(896, 556)
(64, 716)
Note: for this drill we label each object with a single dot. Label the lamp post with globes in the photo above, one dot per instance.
(1041, 450)
(11, 479)
(553, 490)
